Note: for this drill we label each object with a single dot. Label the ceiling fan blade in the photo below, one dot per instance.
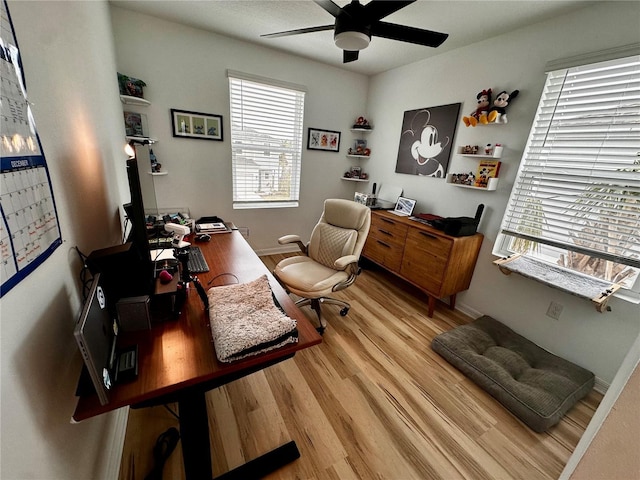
(299, 31)
(349, 56)
(408, 34)
(377, 9)
(329, 6)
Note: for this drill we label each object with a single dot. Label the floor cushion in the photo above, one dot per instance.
(535, 385)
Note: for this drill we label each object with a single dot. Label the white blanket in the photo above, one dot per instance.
(245, 320)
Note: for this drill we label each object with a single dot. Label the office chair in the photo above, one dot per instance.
(330, 260)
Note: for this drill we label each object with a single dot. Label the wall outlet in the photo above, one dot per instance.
(554, 310)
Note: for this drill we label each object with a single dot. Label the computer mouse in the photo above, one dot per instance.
(203, 237)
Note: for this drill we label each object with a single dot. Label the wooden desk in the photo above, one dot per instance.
(177, 361)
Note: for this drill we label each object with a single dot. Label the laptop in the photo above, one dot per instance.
(404, 207)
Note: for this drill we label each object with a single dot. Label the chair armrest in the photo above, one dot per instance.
(343, 262)
(293, 239)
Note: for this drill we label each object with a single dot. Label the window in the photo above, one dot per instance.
(266, 141)
(576, 199)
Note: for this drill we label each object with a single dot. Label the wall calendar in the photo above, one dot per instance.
(29, 231)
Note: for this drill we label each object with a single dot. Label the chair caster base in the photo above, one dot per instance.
(320, 330)
(344, 311)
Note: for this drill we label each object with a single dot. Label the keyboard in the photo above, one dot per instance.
(197, 263)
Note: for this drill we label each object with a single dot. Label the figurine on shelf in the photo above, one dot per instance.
(483, 101)
(470, 150)
(155, 166)
(498, 113)
(362, 122)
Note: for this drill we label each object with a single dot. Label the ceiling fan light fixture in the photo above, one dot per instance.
(352, 40)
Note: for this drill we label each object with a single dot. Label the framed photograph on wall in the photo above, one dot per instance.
(204, 126)
(320, 139)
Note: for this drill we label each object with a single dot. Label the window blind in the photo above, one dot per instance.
(578, 186)
(266, 141)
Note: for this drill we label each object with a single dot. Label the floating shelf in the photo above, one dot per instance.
(129, 100)
(491, 185)
(141, 139)
(358, 156)
(355, 179)
(473, 155)
(482, 155)
(361, 130)
(158, 174)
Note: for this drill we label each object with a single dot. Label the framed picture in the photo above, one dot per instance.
(426, 140)
(135, 124)
(327, 140)
(204, 126)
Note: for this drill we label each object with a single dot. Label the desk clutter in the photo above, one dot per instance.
(246, 321)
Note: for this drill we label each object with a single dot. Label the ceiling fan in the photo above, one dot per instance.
(356, 23)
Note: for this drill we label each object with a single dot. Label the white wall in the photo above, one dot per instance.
(512, 61)
(185, 68)
(70, 75)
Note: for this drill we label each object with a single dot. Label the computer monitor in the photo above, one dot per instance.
(95, 333)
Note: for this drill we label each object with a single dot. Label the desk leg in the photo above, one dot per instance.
(194, 433)
(264, 464)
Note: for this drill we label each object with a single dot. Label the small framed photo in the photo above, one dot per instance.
(204, 126)
(135, 124)
(320, 139)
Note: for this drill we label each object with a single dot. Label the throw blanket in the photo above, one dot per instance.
(245, 320)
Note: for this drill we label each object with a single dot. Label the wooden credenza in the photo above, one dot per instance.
(440, 265)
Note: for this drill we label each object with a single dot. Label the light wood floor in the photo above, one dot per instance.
(373, 401)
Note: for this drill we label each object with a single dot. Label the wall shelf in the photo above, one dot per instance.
(129, 100)
(158, 174)
(361, 130)
(491, 185)
(141, 139)
(358, 156)
(355, 179)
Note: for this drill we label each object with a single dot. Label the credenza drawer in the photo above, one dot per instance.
(388, 230)
(425, 259)
(384, 253)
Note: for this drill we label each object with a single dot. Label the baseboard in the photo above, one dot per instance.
(467, 310)
(601, 386)
(114, 457)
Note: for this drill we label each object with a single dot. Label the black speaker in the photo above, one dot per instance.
(133, 313)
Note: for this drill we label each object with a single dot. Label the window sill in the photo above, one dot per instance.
(598, 291)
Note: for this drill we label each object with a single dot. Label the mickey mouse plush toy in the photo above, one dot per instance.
(498, 113)
(484, 100)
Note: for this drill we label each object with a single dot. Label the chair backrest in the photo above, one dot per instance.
(342, 230)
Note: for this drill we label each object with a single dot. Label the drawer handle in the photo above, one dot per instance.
(385, 232)
(383, 244)
(428, 235)
(388, 221)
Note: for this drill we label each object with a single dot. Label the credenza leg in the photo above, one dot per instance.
(194, 433)
(431, 305)
(452, 301)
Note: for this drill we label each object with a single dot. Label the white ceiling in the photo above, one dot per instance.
(466, 22)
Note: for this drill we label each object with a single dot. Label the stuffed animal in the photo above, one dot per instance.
(498, 112)
(484, 100)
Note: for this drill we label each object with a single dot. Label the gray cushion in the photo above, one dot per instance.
(535, 385)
